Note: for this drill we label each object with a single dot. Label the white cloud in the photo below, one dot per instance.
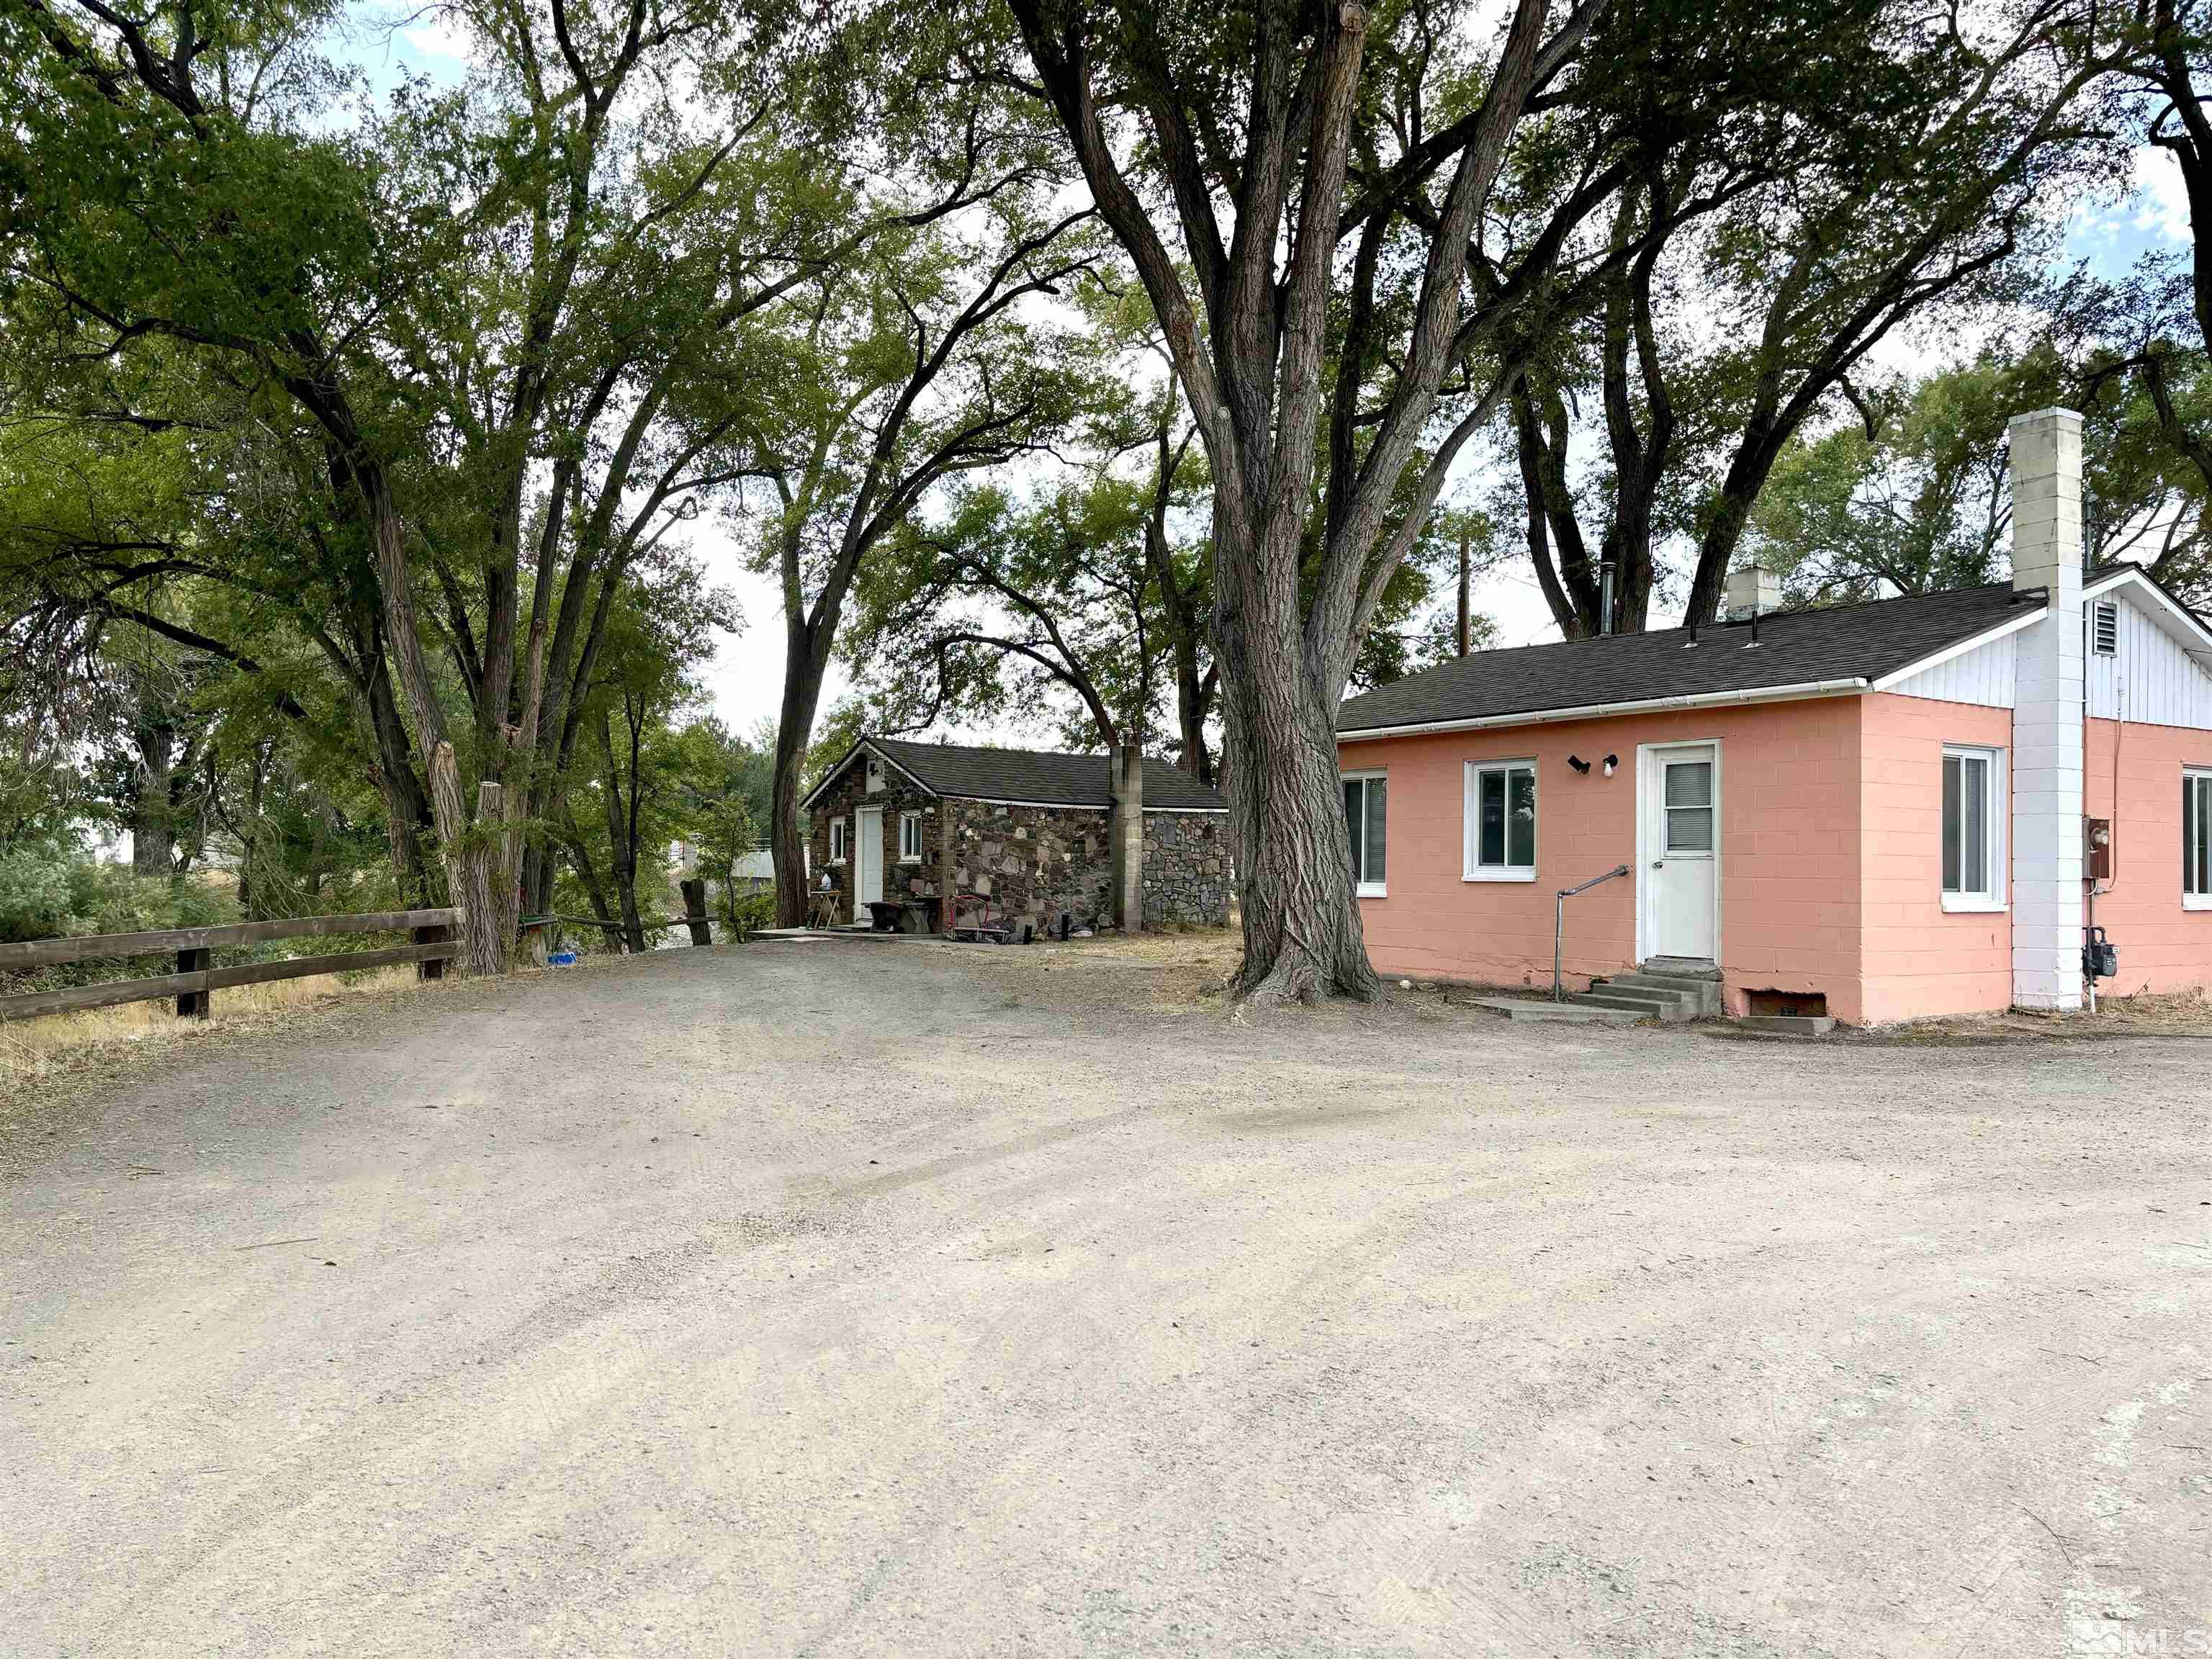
(443, 36)
(2161, 201)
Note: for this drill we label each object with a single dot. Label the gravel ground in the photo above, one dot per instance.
(842, 1298)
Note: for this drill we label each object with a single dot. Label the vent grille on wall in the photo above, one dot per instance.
(2105, 629)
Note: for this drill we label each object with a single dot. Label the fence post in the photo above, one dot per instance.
(193, 1004)
(695, 911)
(434, 968)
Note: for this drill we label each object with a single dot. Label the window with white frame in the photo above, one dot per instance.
(1501, 821)
(2197, 840)
(837, 840)
(1366, 818)
(1973, 828)
(909, 838)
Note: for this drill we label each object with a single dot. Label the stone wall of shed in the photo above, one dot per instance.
(1186, 870)
(1036, 862)
(1032, 861)
(903, 881)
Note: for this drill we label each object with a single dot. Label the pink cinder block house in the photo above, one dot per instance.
(1883, 810)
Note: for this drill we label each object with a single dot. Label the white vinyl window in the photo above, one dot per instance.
(1501, 821)
(909, 838)
(837, 840)
(1973, 828)
(1366, 821)
(2197, 841)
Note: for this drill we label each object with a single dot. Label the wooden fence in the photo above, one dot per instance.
(430, 945)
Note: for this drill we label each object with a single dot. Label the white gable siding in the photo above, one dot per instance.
(1983, 677)
(2152, 680)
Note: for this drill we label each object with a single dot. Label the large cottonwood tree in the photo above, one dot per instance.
(1237, 151)
(925, 368)
(1800, 196)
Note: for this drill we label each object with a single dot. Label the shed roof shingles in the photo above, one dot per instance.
(1795, 648)
(1041, 778)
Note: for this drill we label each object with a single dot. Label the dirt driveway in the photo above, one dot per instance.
(839, 1299)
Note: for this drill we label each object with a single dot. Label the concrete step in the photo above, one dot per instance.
(1788, 1025)
(1645, 1005)
(1564, 1013)
(1680, 967)
(1705, 993)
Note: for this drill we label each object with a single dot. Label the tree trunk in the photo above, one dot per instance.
(1301, 931)
(587, 876)
(623, 847)
(1570, 585)
(1466, 581)
(1194, 708)
(478, 855)
(407, 819)
(1730, 512)
(153, 818)
(794, 732)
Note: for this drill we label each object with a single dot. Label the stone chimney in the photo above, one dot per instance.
(1751, 592)
(1126, 764)
(2046, 720)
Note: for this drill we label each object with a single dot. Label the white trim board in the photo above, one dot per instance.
(1895, 677)
(2188, 630)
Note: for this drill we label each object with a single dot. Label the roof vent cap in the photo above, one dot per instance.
(1753, 592)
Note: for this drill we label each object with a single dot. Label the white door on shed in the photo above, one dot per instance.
(1680, 837)
(867, 859)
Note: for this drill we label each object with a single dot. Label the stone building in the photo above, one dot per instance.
(909, 822)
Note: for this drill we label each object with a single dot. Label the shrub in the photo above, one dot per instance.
(754, 911)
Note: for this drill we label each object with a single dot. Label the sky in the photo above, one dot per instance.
(744, 683)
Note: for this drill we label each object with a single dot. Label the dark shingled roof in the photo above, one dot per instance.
(1795, 648)
(1047, 779)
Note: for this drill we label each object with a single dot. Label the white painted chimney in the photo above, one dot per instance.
(1753, 592)
(2046, 720)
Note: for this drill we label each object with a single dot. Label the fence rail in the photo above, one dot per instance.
(431, 946)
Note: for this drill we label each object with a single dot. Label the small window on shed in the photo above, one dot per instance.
(2105, 629)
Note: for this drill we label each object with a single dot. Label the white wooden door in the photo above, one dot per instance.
(867, 861)
(1681, 838)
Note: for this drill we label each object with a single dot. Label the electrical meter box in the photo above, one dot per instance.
(2097, 848)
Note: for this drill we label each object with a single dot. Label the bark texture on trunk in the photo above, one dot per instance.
(479, 864)
(1252, 373)
(152, 808)
(1303, 937)
(802, 691)
(622, 836)
(1464, 634)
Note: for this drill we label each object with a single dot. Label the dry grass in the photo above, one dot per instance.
(2147, 1013)
(1179, 969)
(60, 1046)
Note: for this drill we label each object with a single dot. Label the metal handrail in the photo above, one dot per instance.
(1559, 922)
